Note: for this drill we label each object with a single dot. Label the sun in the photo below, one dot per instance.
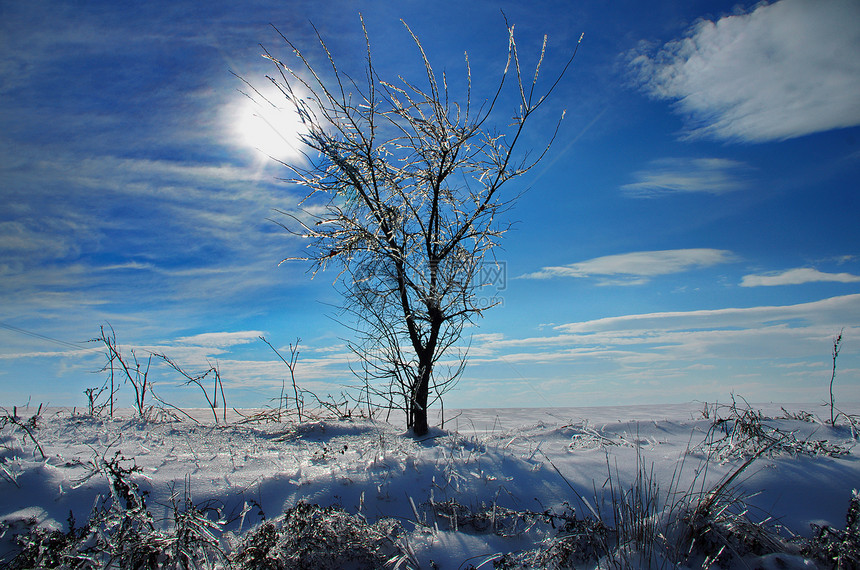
(270, 126)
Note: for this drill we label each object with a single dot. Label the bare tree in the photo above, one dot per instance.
(404, 200)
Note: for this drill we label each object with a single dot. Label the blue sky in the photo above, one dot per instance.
(692, 233)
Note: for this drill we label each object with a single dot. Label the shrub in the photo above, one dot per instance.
(741, 432)
(310, 536)
(838, 548)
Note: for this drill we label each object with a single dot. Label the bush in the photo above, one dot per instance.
(120, 532)
(310, 536)
(742, 432)
(838, 548)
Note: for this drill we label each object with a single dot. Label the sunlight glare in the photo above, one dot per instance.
(273, 131)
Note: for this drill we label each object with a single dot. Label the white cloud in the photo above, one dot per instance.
(784, 70)
(638, 266)
(796, 277)
(707, 339)
(678, 176)
(220, 339)
(834, 310)
(110, 229)
(21, 240)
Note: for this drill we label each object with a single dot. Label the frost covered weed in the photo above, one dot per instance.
(27, 426)
(306, 536)
(50, 548)
(637, 534)
(743, 432)
(192, 542)
(324, 538)
(121, 532)
(585, 436)
(645, 527)
(853, 423)
(714, 525)
(484, 518)
(577, 542)
(800, 416)
(11, 450)
(709, 528)
(838, 548)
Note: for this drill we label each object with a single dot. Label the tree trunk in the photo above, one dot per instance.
(420, 396)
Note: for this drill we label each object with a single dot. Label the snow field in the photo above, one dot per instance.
(487, 461)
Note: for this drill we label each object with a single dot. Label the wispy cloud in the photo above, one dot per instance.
(687, 175)
(784, 70)
(796, 276)
(827, 311)
(676, 342)
(638, 267)
(109, 228)
(220, 339)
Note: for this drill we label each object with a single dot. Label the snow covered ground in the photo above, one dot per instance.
(490, 461)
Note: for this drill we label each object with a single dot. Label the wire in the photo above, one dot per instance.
(524, 379)
(77, 345)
